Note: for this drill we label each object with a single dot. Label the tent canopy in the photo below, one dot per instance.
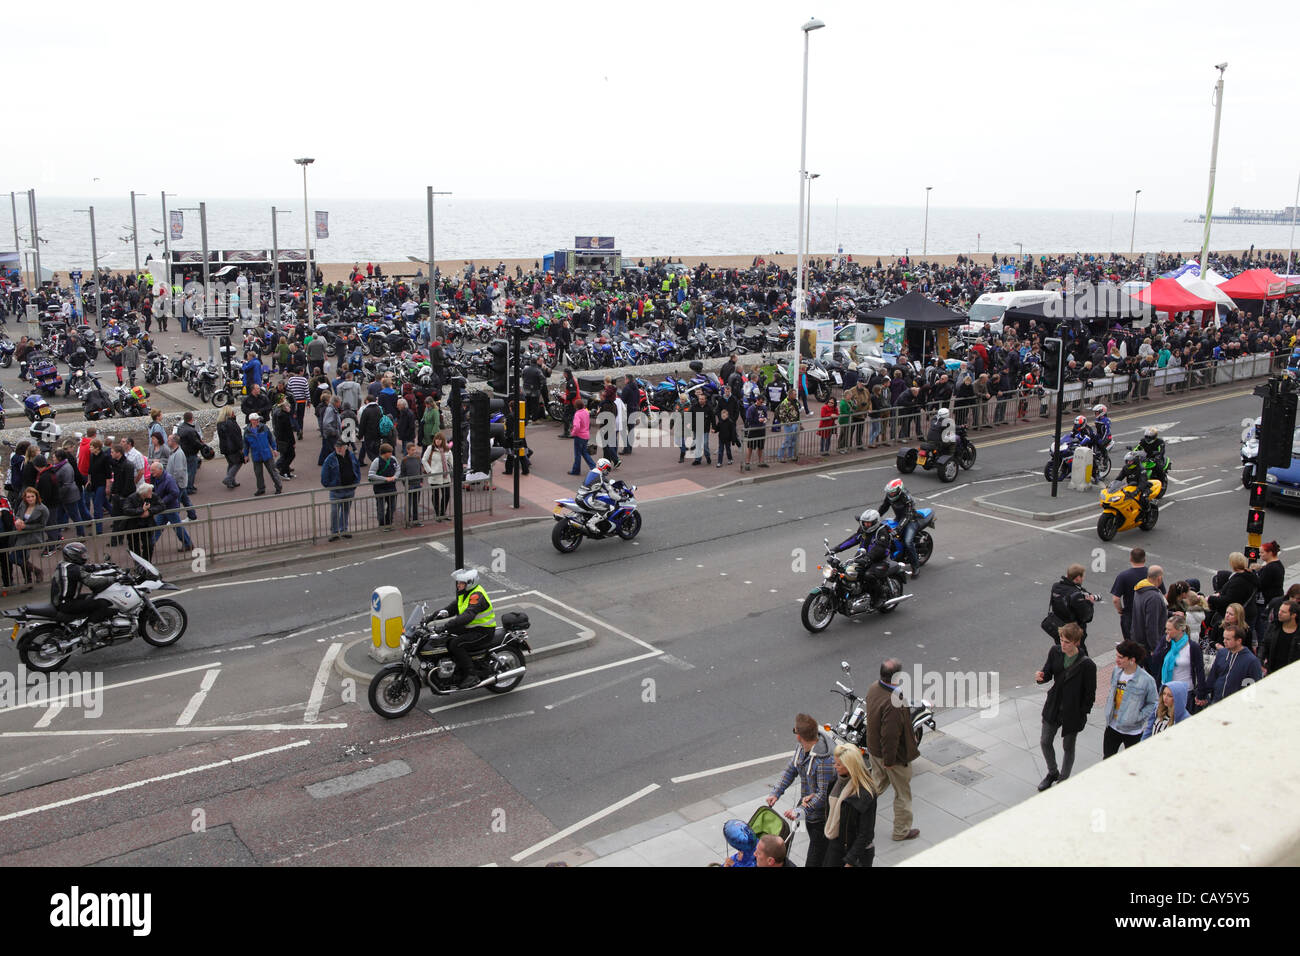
(1255, 284)
(1166, 295)
(1205, 289)
(916, 311)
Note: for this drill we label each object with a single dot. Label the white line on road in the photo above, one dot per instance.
(317, 627)
(600, 687)
(980, 514)
(192, 729)
(447, 727)
(143, 783)
(235, 584)
(50, 713)
(196, 701)
(608, 627)
(1212, 494)
(784, 755)
(125, 683)
(827, 477)
(1183, 491)
(438, 546)
(393, 554)
(567, 831)
(322, 680)
(551, 680)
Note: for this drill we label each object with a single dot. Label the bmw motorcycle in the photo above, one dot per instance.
(844, 590)
(46, 637)
(427, 662)
(852, 728)
(571, 518)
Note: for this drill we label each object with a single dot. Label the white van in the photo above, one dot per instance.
(986, 314)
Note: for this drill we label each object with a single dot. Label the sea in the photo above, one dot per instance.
(362, 230)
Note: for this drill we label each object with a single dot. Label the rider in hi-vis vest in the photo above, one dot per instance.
(473, 623)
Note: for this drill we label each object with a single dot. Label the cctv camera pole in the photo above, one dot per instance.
(516, 437)
(458, 465)
(1214, 157)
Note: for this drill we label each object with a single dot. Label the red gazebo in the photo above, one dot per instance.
(1168, 295)
(1255, 284)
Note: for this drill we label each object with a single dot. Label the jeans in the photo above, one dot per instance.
(100, 502)
(908, 534)
(340, 510)
(385, 505)
(789, 441)
(233, 464)
(826, 441)
(186, 503)
(182, 535)
(1048, 744)
(873, 434)
(441, 495)
(413, 505)
(817, 843)
(580, 454)
(192, 470)
(1113, 740)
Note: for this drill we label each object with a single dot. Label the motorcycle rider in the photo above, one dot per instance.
(1081, 434)
(897, 499)
(598, 496)
(942, 435)
(472, 624)
(75, 584)
(1153, 446)
(1133, 473)
(1101, 427)
(875, 541)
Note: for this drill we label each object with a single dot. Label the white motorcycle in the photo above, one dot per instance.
(46, 637)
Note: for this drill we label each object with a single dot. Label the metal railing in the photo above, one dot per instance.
(226, 529)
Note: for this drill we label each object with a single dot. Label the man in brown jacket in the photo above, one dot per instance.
(892, 746)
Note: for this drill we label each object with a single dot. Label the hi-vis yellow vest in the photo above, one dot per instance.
(487, 617)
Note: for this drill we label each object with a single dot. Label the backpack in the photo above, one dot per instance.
(385, 425)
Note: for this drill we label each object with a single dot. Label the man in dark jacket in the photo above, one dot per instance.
(282, 427)
(1071, 602)
(1150, 611)
(368, 429)
(1074, 690)
(255, 403)
(891, 743)
(1234, 665)
(192, 445)
(631, 395)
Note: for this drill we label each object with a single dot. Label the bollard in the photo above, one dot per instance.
(1081, 471)
(386, 624)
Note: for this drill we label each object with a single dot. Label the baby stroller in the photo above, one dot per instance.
(743, 837)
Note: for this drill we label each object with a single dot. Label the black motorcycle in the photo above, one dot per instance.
(426, 661)
(852, 728)
(157, 369)
(845, 589)
(945, 463)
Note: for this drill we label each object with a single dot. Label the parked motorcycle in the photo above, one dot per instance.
(1100, 461)
(132, 400)
(844, 591)
(97, 404)
(46, 637)
(571, 519)
(930, 458)
(6, 351)
(852, 728)
(156, 369)
(36, 407)
(427, 662)
(1121, 510)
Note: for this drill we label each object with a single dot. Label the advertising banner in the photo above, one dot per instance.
(322, 224)
(894, 338)
(177, 218)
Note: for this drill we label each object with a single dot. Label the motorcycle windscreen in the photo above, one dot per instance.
(149, 568)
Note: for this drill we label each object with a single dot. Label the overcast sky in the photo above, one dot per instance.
(1042, 105)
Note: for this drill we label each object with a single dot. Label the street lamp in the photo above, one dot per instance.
(94, 259)
(1135, 221)
(807, 28)
(166, 241)
(435, 318)
(1020, 255)
(807, 231)
(925, 234)
(1214, 158)
(304, 163)
(275, 260)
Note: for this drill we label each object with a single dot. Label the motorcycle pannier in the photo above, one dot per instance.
(514, 621)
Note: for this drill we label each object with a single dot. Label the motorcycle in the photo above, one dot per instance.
(79, 383)
(571, 519)
(844, 591)
(44, 375)
(1121, 510)
(46, 637)
(130, 400)
(1249, 450)
(929, 457)
(45, 433)
(426, 661)
(97, 404)
(923, 542)
(1100, 461)
(156, 369)
(6, 351)
(852, 728)
(36, 407)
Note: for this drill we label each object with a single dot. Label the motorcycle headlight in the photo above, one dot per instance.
(828, 573)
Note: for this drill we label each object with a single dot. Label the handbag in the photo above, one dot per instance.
(1051, 626)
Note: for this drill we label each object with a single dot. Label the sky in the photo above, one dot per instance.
(1016, 105)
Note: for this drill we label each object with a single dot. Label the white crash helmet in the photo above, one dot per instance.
(1099, 410)
(465, 576)
(869, 520)
(942, 415)
(1150, 432)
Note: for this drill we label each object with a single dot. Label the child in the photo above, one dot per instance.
(726, 430)
(413, 478)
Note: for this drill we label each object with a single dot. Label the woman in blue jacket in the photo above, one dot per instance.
(1171, 710)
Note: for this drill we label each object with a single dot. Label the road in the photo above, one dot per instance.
(687, 655)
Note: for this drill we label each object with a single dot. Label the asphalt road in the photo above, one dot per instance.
(688, 656)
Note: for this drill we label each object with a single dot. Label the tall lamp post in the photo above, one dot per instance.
(306, 228)
(1214, 158)
(13, 203)
(807, 28)
(925, 233)
(435, 317)
(1133, 233)
(275, 259)
(94, 262)
(135, 239)
(807, 227)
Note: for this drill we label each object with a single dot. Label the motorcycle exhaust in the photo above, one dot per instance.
(892, 601)
(495, 678)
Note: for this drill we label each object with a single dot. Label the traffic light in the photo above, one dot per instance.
(1255, 521)
(482, 431)
(1276, 427)
(500, 377)
(1257, 496)
(1052, 352)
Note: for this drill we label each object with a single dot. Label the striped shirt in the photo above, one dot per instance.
(298, 387)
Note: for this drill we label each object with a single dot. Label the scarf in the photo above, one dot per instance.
(1171, 658)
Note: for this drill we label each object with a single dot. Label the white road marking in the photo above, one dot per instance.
(50, 713)
(827, 477)
(585, 822)
(447, 727)
(1181, 491)
(438, 546)
(978, 514)
(192, 708)
(784, 755)
(318, 687)
(393, 554)
(125, 683)
(135, 785)
(192, 729)
(235, 584)
(552, 680)
(1212, 494)
(600, 687)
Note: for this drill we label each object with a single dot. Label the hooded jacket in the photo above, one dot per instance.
(1179, 690)
(816, 772)
(1150, 611)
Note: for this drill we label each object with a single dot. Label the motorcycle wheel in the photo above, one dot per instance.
(6, 360)
(895, 590)
(163, 378)
(966, 458)
(948, 471)
(1101, 466)
(565, 539)
(507, 659)
(220, 398)
(1248, 476)
(823, 391)
(556, 410)
(924, 547)
(331, 349)
(1048, 471)
(40, 653)
(118, 409)
(1152, 516)
(393, 691)
(906, 463)
(172, 627)
(817, 612)
(630, 527)
(136, 411)
(1107, 525)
